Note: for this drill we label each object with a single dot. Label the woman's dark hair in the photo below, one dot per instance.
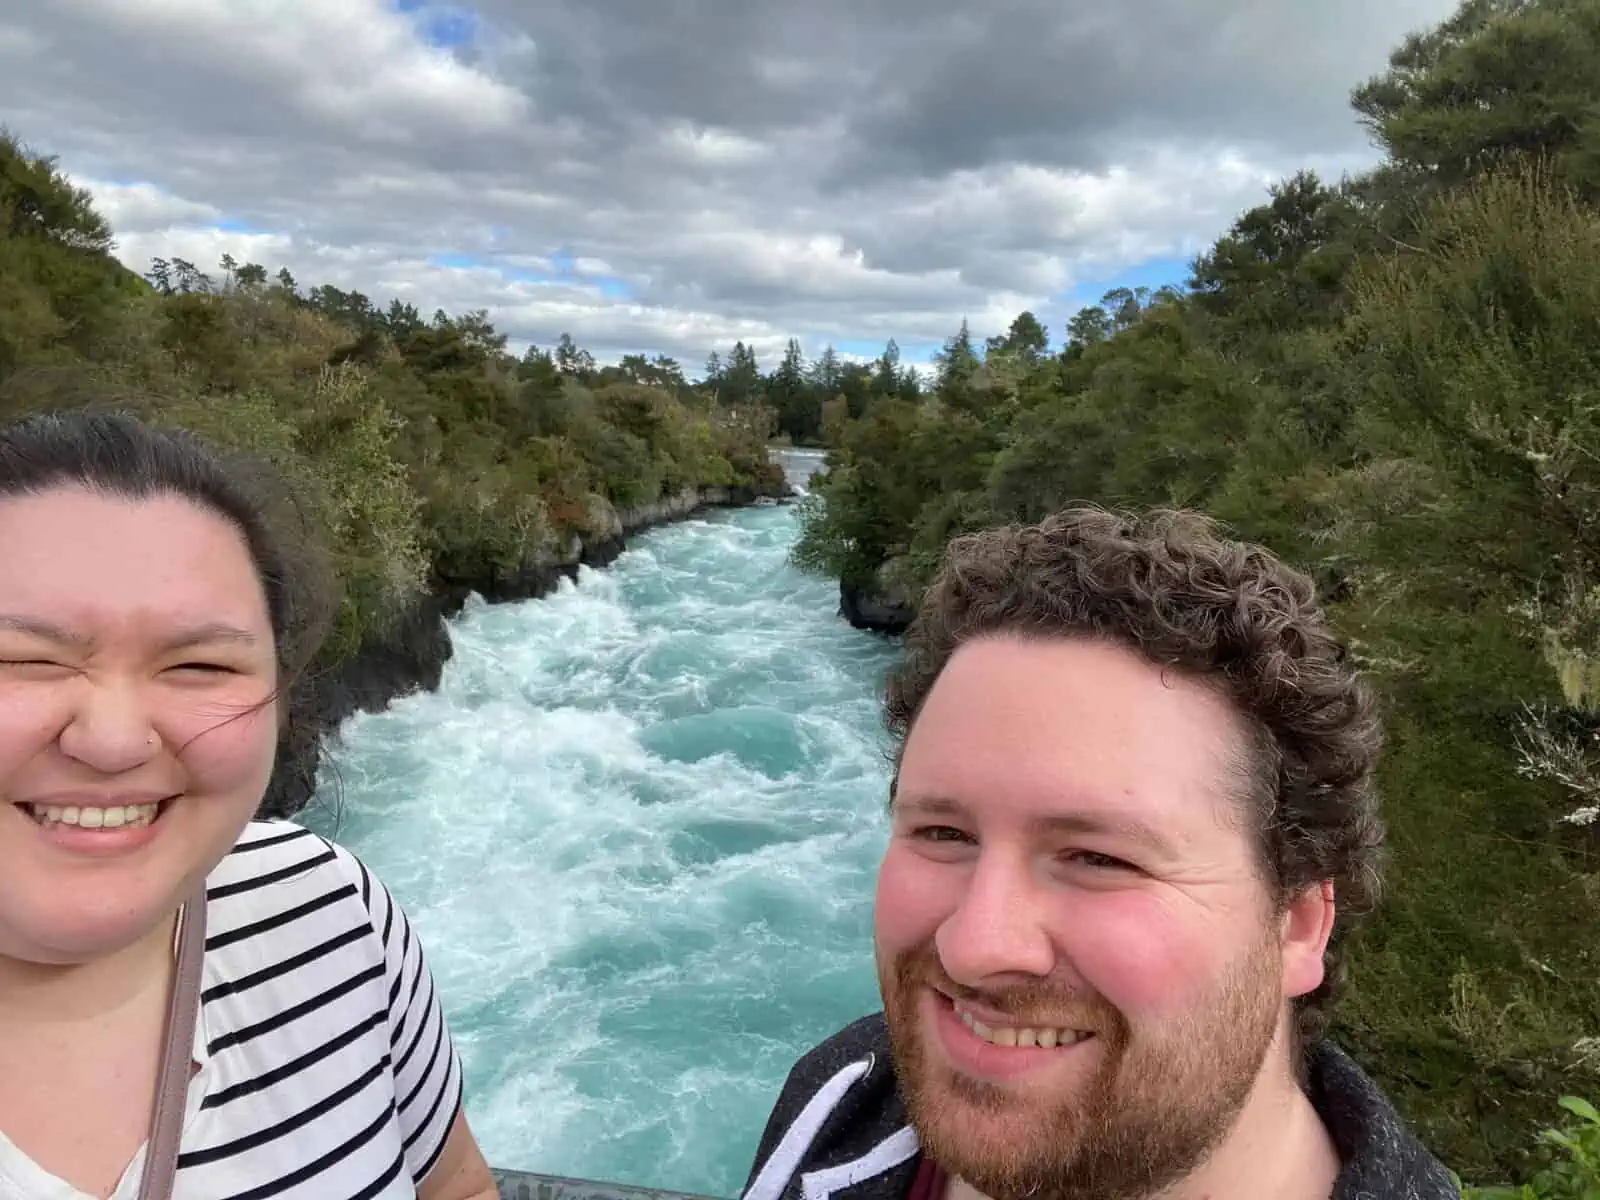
(118, 454)
(1169, 587)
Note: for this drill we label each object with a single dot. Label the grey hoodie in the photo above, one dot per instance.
(839, 1130)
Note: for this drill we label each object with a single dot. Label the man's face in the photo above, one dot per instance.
(1083, 972)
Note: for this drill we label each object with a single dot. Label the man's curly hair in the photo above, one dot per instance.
(1167, 585)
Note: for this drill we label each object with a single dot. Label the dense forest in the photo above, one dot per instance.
(1394, 381)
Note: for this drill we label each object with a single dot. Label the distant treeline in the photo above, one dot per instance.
(800, 394)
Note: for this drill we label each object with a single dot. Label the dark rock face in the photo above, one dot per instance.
(879, 606)
(408, 656)
(602, 552)
(411, 655)
(531, 580)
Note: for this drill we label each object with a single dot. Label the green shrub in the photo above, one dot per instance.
(1575, 1175)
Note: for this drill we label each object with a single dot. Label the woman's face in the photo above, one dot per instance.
(137, 716)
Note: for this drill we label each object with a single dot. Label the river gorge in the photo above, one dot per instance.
(636, 827)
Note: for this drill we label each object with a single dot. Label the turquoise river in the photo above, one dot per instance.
(636, 829)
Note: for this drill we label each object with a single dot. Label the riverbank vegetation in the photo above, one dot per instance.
(1393, 380)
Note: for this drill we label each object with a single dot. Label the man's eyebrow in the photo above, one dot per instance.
(203, 634)
(932, 805)
(1126, 828)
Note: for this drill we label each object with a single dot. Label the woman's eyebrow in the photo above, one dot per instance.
(40, 628)
(208, 632)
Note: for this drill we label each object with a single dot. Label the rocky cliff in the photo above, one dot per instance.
(881, 605)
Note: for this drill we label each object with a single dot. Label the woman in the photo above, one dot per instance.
(152, 618)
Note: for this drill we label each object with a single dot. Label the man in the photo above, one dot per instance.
(1132, 814)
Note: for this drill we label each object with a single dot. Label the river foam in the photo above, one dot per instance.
(636, 829)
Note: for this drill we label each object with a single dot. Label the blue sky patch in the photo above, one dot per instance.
(912, 353)
(1155, 274)
(455, 260)
(564, 266)
(446, 26)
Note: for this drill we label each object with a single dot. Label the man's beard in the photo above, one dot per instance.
(1158, 1104)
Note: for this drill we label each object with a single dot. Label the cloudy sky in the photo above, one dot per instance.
(669, 176)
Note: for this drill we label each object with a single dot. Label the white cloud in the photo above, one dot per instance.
(715, 147)
(828, 173)
(359, 65)
(135, 208)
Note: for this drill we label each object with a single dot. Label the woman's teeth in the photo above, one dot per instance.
(96, 818)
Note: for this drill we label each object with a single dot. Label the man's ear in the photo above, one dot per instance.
(1306, 927)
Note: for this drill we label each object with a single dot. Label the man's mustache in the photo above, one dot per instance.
(1034, 1003)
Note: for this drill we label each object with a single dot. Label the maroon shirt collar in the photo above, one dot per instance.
(930, 1181)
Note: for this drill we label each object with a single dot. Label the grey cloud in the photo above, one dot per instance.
(935, 86)
(757, 170)
(1076, 90)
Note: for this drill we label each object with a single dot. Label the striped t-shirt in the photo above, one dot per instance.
(325, 1066)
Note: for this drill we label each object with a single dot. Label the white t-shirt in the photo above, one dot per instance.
(326, 1069)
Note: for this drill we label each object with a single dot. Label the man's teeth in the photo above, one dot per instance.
(1011, 1035)
(96, 818)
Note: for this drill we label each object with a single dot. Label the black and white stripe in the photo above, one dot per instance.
(327, 1068)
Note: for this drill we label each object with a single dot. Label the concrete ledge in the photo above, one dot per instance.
(525, 1185)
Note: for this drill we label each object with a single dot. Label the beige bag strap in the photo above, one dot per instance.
(177, 1055)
